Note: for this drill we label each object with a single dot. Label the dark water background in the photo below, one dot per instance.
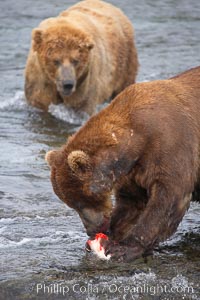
(41, 240)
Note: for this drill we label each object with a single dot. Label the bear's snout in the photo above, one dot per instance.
(67, 87)
(94, 222)
(66, 80)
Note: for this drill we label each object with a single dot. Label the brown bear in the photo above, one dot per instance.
(144, 146)
(83, 57)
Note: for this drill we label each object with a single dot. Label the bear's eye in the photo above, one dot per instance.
(75, 61)
(56, 62)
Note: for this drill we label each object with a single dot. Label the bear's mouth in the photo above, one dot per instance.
(87, 246)
(66, 88)
(66, 92)
(103, 228)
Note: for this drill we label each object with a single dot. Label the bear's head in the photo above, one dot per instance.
(78, 183)
(64, 55)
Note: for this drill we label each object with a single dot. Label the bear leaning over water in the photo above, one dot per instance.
(145, 147)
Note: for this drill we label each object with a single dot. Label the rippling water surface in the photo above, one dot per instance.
(41, 240)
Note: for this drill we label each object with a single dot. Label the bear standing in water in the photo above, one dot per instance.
(81, 58)
(145, 148)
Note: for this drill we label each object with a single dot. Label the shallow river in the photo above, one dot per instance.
(41, 240)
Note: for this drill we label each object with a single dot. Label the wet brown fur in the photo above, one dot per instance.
(145, 147)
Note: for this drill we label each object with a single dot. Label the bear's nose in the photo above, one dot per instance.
(68, 86)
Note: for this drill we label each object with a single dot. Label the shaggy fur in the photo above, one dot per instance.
(145, 147)
(82, 57)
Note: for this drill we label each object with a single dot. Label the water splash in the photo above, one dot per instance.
(60, 112)
(17, 102)
(68, 115)
(6, 243)
(180, 281)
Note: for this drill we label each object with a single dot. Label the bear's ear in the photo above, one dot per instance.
(86, 45)
(37, 37)
(50, 157)
(89, 45)
(78, 161)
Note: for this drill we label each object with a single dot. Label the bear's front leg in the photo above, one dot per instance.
(39, 91)
(123, 253)
(164, 211)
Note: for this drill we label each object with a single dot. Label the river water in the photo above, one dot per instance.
(41, 240)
